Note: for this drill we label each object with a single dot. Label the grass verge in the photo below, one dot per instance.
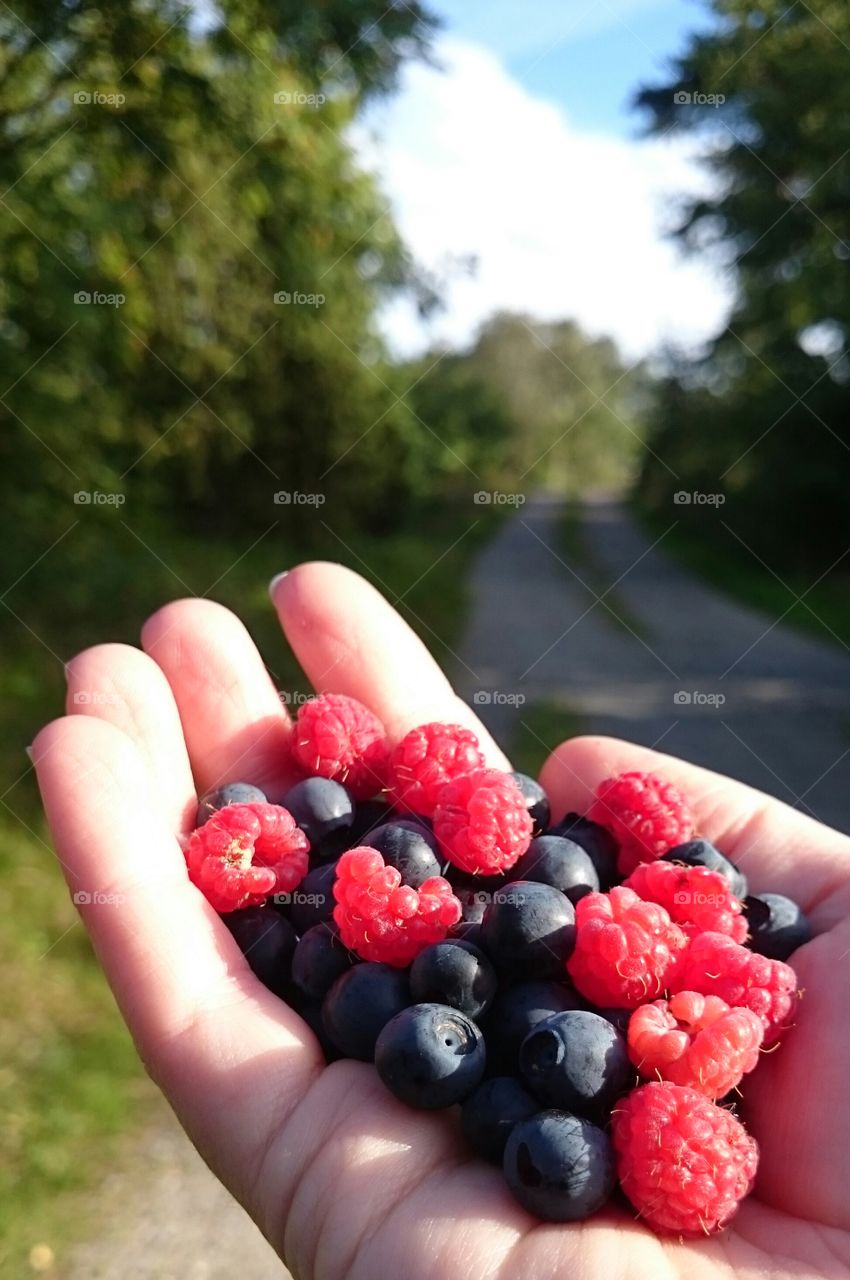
(540, 727)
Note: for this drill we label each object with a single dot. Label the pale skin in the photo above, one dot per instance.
(341, 1179)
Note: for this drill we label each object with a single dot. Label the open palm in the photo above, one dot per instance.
(343, 1180)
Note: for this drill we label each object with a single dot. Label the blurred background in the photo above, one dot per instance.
(535, 314)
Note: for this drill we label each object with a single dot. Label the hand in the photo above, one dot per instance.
(343, 1180)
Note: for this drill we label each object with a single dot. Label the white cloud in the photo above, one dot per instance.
(562, 221)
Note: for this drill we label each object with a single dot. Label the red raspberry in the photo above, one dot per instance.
(244, 853)
(714, 965)
(382, 919)
(645, 814)
(428, 757)
(696, 1041)
(684, 1162)
(482, 822)
(698, 899)
(627, 950)
(337, 737)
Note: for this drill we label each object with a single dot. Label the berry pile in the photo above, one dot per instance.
(591, 993)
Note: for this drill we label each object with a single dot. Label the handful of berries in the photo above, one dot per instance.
(592, 993)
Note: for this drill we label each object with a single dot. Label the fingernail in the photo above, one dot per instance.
(30, 754)
(276, 581)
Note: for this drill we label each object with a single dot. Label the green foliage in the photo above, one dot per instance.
(536, 403)
(764, 417)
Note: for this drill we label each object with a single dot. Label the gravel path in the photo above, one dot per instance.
(537, 632)
(755, 699)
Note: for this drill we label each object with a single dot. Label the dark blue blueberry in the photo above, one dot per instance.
(360, 1004)
(311, 1012)
(529, 930)
(324, 811)
(319, 959)
(702, 853)
(559, 1167)
(597, 842)
(368, 815)
(230, 793)
(267, 942)
(561, 862)
(777, 925)
(577, 1061)
(491, 1112)
(454, 973)
(430, 1056)
(473, 901)
(518, 1010)
(313, 901)
(406, 849)
(467, 931)
(536, 800)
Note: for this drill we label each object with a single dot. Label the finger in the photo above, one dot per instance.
(118, 683)
(780, 850)
(235, 726)
(348, 639)
(231, 1057)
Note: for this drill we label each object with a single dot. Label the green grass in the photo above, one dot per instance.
(540, 727)
(73, 1086)
(722, 561)
(579, 554)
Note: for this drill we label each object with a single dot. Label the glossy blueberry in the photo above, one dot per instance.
(561, 862)
(430, 1056)
(313, 901)
(454, 973)
(368, 815)
(777, 925)
(267, 942)
(467, 931)
(518, 1010)
(360, 1004)
(230, 793)
(529, 930)
(597, 842)
(311, 1012)
(558, 1166)
(324, 811)
(319, 959)
(405, 848)
(702, 853)
(491, 1112)
(536, 800)
(577, 1061)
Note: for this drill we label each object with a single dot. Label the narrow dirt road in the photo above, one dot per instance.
(686, 669)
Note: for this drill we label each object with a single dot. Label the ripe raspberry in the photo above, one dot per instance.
(426, 758)
(684, 1162)
(337, 737)
(646, 815)
(696, 1041)
(627, 950)
(699, 900)
(244, 853)
(382, 919)
(714, 965)
(482, 822)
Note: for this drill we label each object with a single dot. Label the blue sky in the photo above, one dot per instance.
(587, 56)
(522, 153)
